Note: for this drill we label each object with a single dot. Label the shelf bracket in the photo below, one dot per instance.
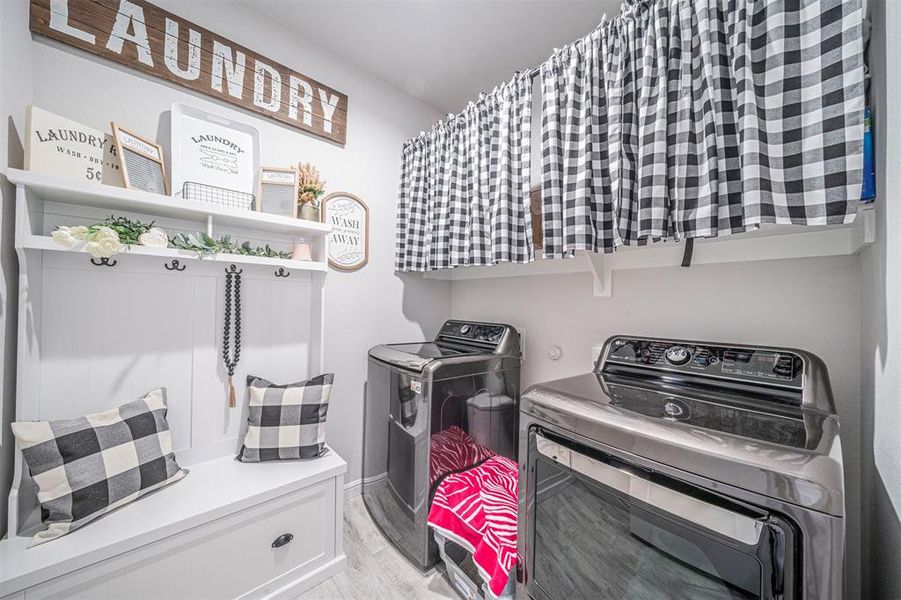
(601, 274)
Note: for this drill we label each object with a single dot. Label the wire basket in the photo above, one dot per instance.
(210, 194)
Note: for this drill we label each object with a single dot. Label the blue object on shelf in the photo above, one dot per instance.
(868, 189)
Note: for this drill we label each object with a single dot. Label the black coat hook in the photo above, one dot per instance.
(234, 269)
(175, 265)
(280, 272)
(104, 262)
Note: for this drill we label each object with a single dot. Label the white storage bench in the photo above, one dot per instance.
(209, 535)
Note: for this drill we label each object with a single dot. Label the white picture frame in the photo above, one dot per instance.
(278, 191)
(141, 161)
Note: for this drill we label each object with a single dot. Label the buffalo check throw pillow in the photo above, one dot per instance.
(88, 466)
(286, 421)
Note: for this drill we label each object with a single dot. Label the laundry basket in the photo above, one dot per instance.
(463, 574)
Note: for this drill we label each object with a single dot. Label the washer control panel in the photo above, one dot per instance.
(479, 332)
(763, 365)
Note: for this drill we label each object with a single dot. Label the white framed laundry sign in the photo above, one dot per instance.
(154, 41)
(348, 242)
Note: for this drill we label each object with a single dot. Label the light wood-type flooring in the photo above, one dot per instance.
(375, 570)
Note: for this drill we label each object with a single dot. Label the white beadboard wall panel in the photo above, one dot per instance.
(98, 351)
(110, 335)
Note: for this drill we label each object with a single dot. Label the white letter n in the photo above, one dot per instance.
(234, 71)
(170, 54)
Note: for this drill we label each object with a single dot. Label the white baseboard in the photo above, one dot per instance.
(355, 487)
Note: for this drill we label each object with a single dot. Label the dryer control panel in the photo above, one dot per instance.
(748, 364)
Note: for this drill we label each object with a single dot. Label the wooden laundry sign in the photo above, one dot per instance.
(155, 41)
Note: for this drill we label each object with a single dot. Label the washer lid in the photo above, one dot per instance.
(792, 457)
(416, 356)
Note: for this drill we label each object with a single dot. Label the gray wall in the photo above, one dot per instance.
(881, 323)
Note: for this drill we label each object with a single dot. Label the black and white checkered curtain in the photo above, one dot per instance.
(464, 189)
(696, 118)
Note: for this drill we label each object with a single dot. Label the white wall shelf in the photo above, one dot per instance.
(768, 243)
(45, 243)
(83, 193)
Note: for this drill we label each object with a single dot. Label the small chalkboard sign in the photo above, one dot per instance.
(278, 191)
(141, 161)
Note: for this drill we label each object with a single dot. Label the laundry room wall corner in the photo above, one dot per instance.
(14, 64)
(881, 322)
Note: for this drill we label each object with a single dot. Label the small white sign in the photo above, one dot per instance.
(348, 246)
(59, 146)
(284, 177)
(132, 142)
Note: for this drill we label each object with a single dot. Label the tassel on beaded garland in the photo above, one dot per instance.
(232, 402)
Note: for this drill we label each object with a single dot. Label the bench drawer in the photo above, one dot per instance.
(232, 557)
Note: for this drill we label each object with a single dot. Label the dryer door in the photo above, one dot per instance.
(602, 528)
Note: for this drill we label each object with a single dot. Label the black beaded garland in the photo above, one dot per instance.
(232, 294)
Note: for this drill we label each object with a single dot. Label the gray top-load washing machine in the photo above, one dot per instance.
(432, 409)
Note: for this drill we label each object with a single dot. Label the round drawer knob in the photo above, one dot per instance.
(283, 539)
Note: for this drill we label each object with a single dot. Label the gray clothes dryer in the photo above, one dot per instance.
(432, 409)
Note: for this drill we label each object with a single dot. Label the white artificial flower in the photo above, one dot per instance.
(154, 238)
(103, 243)
(103, 232)
(79, 233)
(94, 249)
(63, 236)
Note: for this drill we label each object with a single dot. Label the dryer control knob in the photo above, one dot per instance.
(465, 329)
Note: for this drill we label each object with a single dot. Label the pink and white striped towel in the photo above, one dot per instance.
(477, 509)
